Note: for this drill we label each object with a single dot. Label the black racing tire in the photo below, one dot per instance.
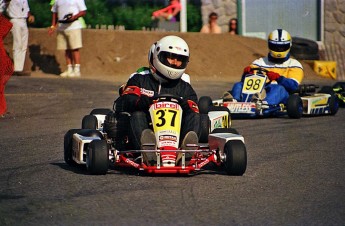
(304, 49)
(340, 84)
(304, 56)
(341, 93)
(89, 122)
(294, 106)
(304, 46)
(235, 158)
(100, 111)
(204, 128)
(97, 157)
(333, 102)
(68, 142)
(204, 104)
(225, 130)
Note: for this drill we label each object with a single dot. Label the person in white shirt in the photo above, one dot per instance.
(19, 13)
(65, 14)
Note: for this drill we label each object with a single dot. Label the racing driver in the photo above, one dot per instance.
(168, 59)
(284, 73)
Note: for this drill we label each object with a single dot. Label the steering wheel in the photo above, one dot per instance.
(259, 69)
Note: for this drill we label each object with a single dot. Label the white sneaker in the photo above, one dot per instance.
(67, 74)
(76, 73)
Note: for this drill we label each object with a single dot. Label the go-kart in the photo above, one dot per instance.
(339, 90)
(94, 147)
(302, 102)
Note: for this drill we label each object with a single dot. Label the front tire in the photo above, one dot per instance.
(235, 158)
(68, 142)
(97, 157)
(204, 104)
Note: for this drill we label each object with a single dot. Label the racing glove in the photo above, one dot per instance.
(247, 70)
(272, 76)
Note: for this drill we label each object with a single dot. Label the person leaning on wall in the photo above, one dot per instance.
(233, 28)
(212, 26)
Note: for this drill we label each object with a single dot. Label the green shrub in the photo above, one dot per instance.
(100, 12)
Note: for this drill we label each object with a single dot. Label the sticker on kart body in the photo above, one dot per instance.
(315, 105)
(254, 83)
(166, 119)
(241, 107)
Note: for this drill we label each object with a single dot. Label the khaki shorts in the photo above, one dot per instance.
(70, 39)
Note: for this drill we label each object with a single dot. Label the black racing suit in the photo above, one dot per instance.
(138, 96)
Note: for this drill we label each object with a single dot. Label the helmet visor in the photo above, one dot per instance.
(173, 60)
(279, 46)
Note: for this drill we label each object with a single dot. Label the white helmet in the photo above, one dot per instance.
(279, 43)
(169, 46)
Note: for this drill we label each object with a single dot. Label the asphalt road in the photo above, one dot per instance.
(295, 173)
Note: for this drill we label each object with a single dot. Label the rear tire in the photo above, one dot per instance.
(340, 94)
(100, 111)
(89, 122)
(204, 104)
(235, 158)
(97, 157)
(294, 106)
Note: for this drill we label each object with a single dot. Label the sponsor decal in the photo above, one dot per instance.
(167, 137)
(172, 73)
(166, 105)
(217, 123)
(136, 165)
(146, 92)
(241, 107)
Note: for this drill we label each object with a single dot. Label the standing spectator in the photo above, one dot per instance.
(233, 28)
(66, 14)
(82, 21)
(19, 14)
(169, 13)
(3, 5)
(6, 65)
(212, 26)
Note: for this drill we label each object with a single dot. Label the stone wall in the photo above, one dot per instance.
(334, 38)
(333, 46)
(226, 9)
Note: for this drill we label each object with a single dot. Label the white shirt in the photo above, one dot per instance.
(64, 7)
(18, 9)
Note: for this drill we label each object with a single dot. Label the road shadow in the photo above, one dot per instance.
(81, 169)
(44, 62)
